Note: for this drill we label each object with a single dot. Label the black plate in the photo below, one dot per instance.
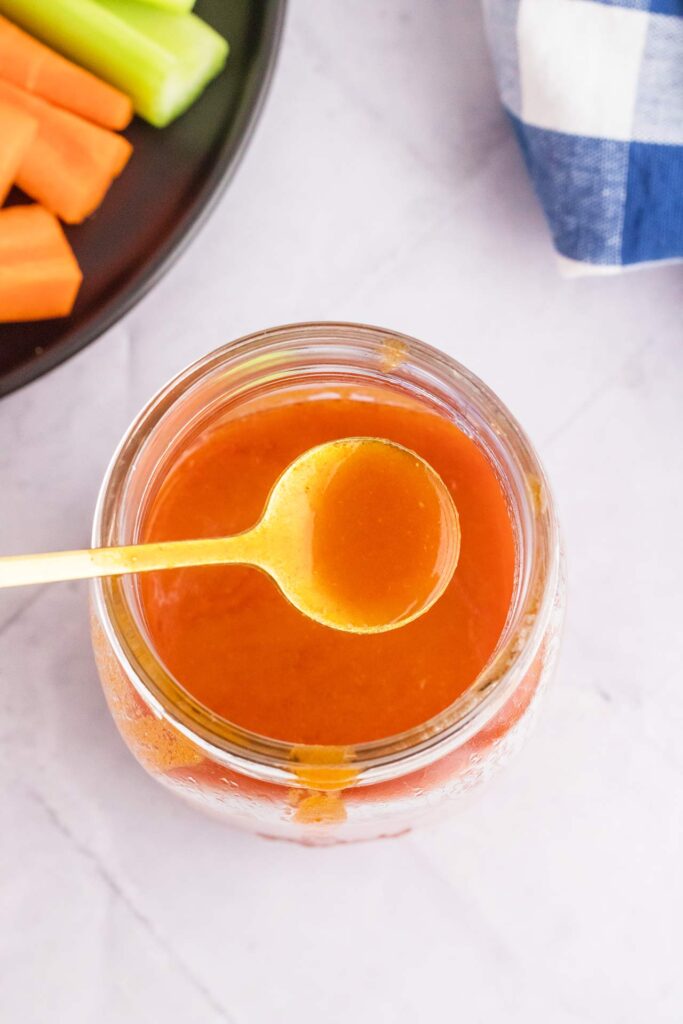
(152, 210)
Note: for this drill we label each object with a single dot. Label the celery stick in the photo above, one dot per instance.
(179, 6)
(163, 61)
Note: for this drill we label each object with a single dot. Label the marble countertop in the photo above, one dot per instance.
(382, 185)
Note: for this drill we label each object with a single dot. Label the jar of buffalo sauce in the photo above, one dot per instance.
(234, 700)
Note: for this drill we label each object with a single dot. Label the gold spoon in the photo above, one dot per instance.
(360, 534)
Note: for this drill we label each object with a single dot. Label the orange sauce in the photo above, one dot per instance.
(231, 638)
(379, 542)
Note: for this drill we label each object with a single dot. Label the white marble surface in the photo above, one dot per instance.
(383, 185)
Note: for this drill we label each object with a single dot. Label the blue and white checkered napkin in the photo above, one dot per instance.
(594, 89)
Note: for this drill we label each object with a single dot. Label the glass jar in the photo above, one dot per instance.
(317, 794)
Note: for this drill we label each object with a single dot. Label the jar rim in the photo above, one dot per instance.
(378, 760)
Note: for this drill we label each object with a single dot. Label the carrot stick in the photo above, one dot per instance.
(162, 60)
(17, 132)
(39, 275)
(35, 67)
(71, 162)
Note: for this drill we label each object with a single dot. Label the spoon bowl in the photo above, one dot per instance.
(360, 534)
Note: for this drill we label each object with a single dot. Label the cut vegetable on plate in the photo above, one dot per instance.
(173, 181)
(71, 163)
(28, 63)
(17, 131)
(39, 275)
(178, 6)
(162, 60)
(56, 119)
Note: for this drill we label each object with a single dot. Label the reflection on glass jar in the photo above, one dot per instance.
(228, 696)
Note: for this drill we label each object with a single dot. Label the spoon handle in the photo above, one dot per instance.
(23, 570)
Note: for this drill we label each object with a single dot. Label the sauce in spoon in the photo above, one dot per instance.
(384, 535)
(360, 534)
